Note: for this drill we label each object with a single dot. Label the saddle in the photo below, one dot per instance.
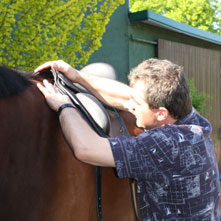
(99, 116)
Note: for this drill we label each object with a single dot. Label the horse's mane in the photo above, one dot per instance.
(12, 82)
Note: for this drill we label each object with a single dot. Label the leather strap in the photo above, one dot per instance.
(98, 175)
(134, 199)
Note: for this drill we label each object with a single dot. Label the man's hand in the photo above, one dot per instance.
(53, 97)
(61, 66)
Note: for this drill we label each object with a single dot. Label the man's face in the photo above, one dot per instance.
(146, 117)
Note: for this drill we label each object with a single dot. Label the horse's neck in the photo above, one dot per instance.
(26, 116)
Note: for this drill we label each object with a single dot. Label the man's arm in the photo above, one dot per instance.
(87, 146)
(110, 92)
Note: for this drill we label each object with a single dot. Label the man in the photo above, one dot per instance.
(173, 161)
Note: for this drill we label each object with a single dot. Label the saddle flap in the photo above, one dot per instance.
(96, 110)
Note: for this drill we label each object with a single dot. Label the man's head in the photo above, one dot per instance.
(164, 86)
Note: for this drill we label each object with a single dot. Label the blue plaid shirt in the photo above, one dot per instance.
(175, 168)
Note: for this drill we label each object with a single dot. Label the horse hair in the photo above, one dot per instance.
(12, 82)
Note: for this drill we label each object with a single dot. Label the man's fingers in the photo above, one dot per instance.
(44, 66)
(42, 89)
(49, 86)
(59, 65)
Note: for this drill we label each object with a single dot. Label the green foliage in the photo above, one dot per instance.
(198, 99)
(33, 32)
(203, 14)
(218, 14)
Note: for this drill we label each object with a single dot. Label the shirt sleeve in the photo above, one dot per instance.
(144, 156)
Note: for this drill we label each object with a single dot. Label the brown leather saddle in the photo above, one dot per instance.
(105, 120)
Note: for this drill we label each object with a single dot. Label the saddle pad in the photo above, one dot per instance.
(96, 110)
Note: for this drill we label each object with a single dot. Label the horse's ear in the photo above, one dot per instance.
(100, 69)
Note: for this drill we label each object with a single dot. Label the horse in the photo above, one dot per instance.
(40, 178)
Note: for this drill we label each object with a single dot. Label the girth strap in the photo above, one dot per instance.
(98, 175)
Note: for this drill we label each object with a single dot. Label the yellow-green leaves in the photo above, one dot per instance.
(203, 14)
(33, 32)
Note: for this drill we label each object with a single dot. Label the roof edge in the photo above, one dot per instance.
(150, 17)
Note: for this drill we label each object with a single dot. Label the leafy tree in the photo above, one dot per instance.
(198, 99)
(203, 14)
(35, 31)
(218, 13)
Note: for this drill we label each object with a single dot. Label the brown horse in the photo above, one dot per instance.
(40, 178)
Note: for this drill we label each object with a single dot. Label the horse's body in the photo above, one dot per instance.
(40, 178)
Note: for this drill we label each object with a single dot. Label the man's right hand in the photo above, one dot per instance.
(63, 67)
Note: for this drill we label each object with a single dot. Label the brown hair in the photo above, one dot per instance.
(166, 86)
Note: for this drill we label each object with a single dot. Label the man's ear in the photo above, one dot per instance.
(162, 113)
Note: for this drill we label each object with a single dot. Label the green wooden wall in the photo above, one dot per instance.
(115, 44)
(144, 41)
